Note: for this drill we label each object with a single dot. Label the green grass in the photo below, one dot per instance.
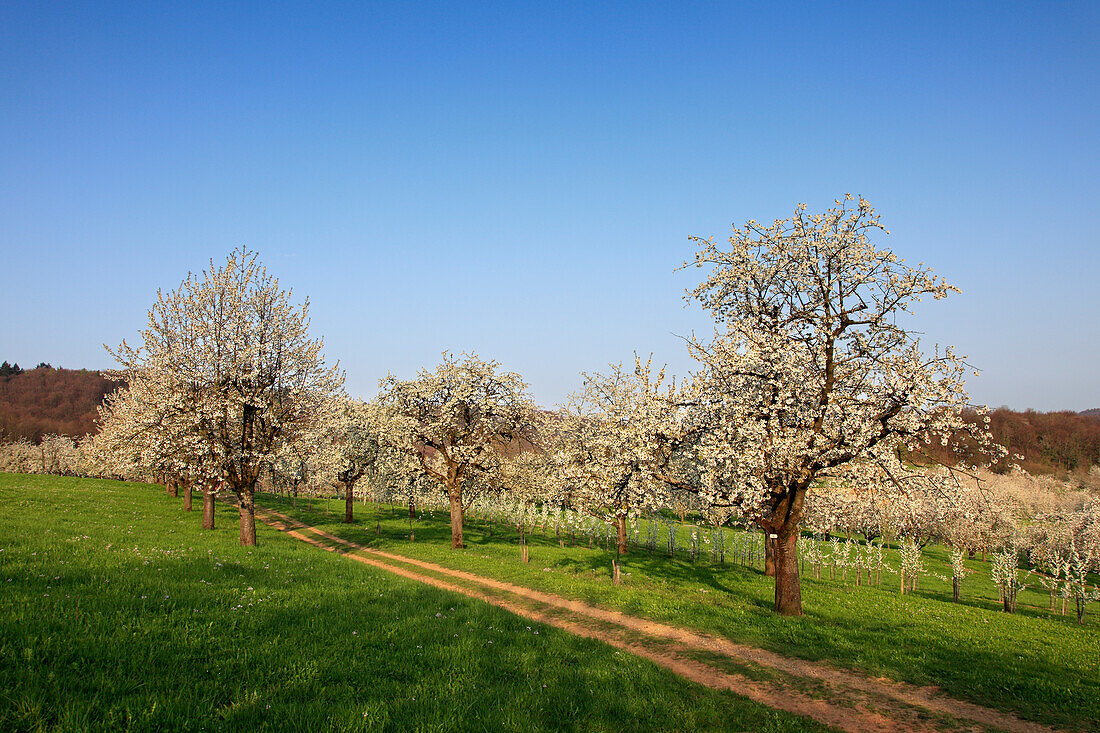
(1041, 666)
(119, 613)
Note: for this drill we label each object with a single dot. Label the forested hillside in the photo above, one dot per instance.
(1049, 442)
(45, 400)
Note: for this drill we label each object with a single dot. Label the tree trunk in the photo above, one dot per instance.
(207, 508)
(788, 586)
(955, 589)
(456, 517)
(173, 489)
(248, 516)
(769, 553)
(349, 500)
(186, 496)
(412, 508)
(620, 534)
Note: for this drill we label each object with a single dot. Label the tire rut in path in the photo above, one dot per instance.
(868, 704)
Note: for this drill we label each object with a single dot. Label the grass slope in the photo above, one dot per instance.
(119, 613)
(1043, 667)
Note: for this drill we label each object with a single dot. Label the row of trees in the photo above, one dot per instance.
(808, 379)
(1051, 527)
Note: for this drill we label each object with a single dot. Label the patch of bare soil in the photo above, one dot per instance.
(839, 698)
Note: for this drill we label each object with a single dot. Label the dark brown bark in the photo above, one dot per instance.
(186, 496)
(173, 488)
(788, 588)
(783, 522)
(412, 508)
(769, 554)
(247, 509)
(456, 517)
(955, 589)
(349, 501)
(208, 508)
(620, 534)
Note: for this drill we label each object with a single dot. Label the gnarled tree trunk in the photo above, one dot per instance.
(186, 496)
(788, 585)
(455, 491)
(349, 501)
(783, 522)
(620, 534)
(769, 553)
(247, 507)
(207, 507)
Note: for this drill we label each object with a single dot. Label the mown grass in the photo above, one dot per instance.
(1039, 665)
(119, 613)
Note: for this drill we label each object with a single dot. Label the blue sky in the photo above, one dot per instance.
(521, 180)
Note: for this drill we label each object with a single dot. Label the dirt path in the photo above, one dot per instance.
(842, 699)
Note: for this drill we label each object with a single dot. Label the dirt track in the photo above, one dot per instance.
(841, 699)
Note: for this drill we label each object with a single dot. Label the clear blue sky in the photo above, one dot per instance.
(522, 180)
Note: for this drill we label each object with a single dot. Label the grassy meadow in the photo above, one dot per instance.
(119, 613)
(1040, 665)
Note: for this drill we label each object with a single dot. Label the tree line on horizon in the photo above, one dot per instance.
(44, 401)
(48, 401)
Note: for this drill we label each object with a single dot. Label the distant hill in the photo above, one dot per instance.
(43, 400)
(1093, 413)
(1050, 442)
